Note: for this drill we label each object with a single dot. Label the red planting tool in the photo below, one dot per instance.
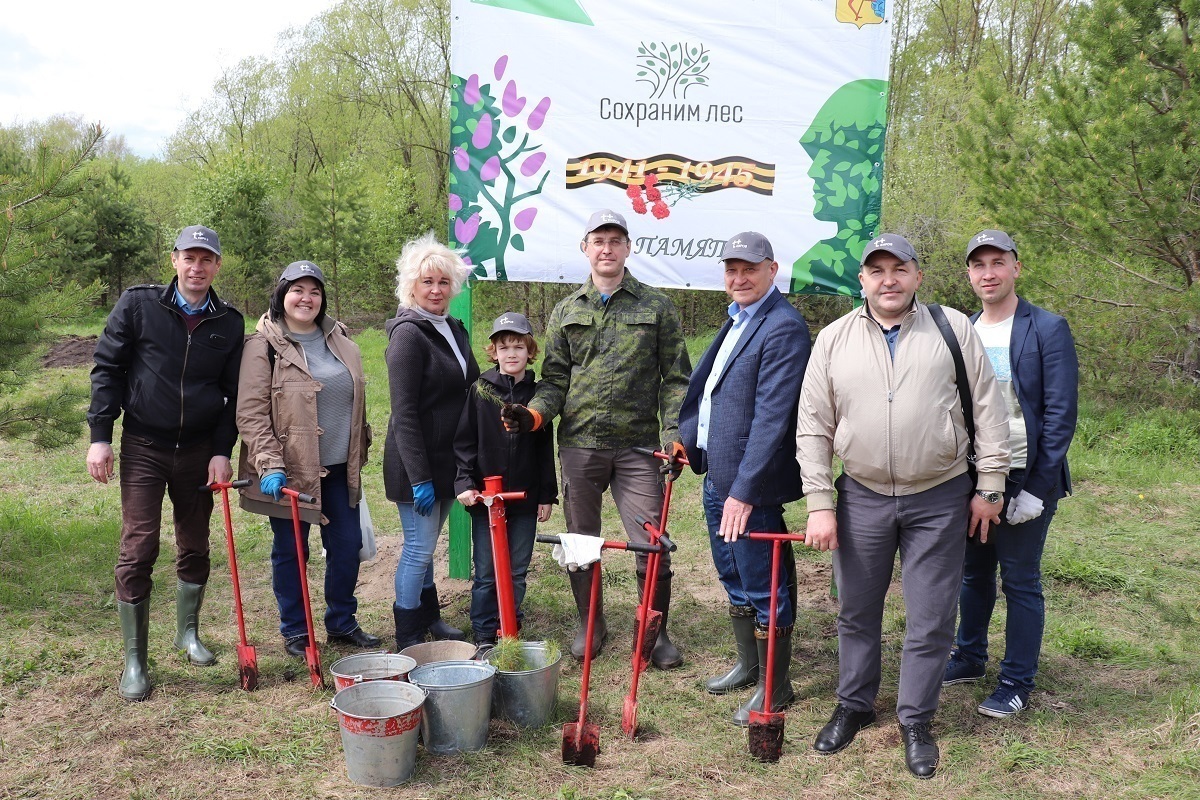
(312, 656)
(494, 498)
(581, 739)
(766, 726)
(649, 620)
(247, 658)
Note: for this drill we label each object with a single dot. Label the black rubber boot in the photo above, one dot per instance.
(665, 655)
(745, 671)
(135, 630)
(581, 587)
(188, 599)
(410, 626)
(438, 629)
(782, 688)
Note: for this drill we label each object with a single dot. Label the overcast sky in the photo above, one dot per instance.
(137, 67)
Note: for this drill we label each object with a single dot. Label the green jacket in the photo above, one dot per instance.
(616, 372)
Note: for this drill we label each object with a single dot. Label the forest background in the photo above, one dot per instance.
(1070, 125)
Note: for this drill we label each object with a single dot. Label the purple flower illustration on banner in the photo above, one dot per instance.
(497, 168)
(524, 219)
(465, 230)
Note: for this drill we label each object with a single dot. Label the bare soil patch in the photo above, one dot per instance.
(70, 351)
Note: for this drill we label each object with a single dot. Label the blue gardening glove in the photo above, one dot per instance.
(423, 498)
(272, 483)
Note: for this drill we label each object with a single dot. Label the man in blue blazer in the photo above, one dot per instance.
(738, 423)
(1033, 356)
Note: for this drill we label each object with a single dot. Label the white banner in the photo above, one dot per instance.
(694, 120)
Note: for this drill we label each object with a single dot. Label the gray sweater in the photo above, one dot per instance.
(334, 401)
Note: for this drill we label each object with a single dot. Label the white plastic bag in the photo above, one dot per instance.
(368, 551)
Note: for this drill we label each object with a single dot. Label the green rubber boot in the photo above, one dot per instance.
(745, 671)
(135, 631)
(188, 599)
(781, 682)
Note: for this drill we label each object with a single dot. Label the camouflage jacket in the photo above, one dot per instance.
(616, 372)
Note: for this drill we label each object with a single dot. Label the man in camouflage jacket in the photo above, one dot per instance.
(616, 369)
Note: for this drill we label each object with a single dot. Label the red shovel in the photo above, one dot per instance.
(311, 654)
(766, 726)
(649, 620)
(581, 739)
(247, 658)
(494, 498)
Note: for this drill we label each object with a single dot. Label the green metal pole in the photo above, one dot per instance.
(460, 520)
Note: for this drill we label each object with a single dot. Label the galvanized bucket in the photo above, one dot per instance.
(446, 650)
(379, 722)
(365, 667)
(459, 704)
(527, 697)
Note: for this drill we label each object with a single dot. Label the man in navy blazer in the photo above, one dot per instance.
(1033, 356)
(738, 423)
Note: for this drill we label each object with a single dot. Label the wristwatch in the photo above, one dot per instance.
(990, 497)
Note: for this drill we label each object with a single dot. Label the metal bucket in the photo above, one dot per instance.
(379, 722)
(459, 704)
(446, 650)
(370, 667)
(527, 697)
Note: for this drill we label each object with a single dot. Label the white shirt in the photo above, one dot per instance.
(997, 340)
(741, 318)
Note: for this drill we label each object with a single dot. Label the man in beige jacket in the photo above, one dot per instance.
(881, 393)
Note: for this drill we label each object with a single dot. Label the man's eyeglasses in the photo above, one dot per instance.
(615, 242)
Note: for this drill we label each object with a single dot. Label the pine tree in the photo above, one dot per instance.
(34, 196)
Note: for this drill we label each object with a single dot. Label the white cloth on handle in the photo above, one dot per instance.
(577, 551)
(1023, 508)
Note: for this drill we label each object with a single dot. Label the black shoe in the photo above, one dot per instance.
(296, 645)
(920, 749)
(356, 638)
(841, 729)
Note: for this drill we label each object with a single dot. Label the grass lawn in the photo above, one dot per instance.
(1117, 713)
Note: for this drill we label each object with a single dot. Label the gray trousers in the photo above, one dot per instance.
(929, 530)
(636, 488)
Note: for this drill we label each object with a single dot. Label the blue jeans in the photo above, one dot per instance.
(1017, 551)
(414, 572)
(485, 606)
(744, 565)
(342, 539)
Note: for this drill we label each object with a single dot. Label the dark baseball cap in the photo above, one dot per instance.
(605, 217)
(892, 243)
(991, 238)
(198, 236)
(748, 246)
(510, 322)
(302, 269)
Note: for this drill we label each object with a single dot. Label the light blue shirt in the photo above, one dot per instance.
(186, 307)
(741, 318)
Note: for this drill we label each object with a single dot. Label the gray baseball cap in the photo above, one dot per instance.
(302, 269)
(198, 236)
(892, 243)
(748, 246)
(510, 322)
(605, 217)
(991, 238)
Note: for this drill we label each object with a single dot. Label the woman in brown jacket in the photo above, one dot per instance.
(301, 412)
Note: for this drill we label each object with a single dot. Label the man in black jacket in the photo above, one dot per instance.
(169, 358)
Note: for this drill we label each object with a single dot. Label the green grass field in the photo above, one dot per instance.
(1117, 713)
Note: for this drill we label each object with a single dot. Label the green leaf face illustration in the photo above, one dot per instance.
(845, 142)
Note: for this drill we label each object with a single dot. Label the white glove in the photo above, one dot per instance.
(1023, 508)
(577, 551)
